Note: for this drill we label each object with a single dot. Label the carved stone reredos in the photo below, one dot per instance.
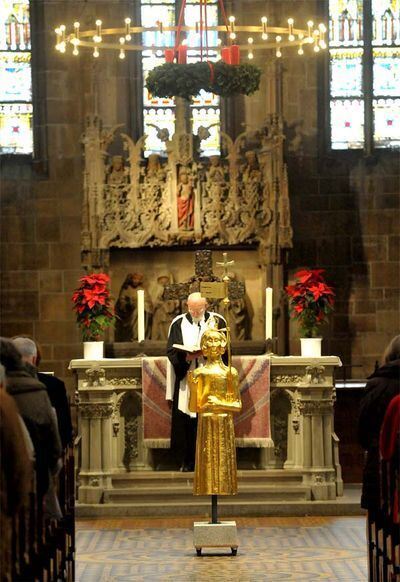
(240, 197)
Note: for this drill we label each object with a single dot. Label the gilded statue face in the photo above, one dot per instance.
(213, 343)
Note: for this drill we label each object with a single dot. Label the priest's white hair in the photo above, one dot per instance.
(196, 296)
(26, 347)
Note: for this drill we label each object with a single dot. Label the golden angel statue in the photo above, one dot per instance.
(214, 395)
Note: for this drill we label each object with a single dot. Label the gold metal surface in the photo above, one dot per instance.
(214, 395)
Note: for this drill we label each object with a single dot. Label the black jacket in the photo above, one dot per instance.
(35, 408)
(59, 400)
(382, 386)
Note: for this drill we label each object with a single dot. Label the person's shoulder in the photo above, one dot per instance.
(51, 381)
(220, 318)
(177, 318)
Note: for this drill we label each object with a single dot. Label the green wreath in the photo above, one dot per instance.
(174, 80)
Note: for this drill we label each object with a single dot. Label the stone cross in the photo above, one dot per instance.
(203, 273)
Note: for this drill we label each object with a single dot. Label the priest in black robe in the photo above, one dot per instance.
(186, 330)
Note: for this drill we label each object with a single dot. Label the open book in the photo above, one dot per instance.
(189, 349)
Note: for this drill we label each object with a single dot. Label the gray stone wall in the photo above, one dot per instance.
(344, 208)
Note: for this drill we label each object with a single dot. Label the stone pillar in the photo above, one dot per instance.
(328, 445)
(106, 448)
(307, 445)
(96, 434)
(317, 441)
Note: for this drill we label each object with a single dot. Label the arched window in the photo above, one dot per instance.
(16, 131)
(161, 112)
(364, 79)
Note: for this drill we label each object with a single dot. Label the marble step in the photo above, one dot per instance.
(156, 478)
(182, 493)
(199, 508)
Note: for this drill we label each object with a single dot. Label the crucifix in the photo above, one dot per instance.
(204, 280)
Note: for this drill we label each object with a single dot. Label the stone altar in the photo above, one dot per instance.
(302, 400)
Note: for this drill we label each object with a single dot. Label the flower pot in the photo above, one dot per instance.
(311, 347)
(93, 350)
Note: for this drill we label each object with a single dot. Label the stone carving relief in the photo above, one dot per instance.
(238, 197)
(131, 409)
(124, 381)
(287, 379)
(164, 310)
(315, 407)
(115, 417)
(126, 309)
(280, 410)
(315, 374)
(96, 409)
(94, 376)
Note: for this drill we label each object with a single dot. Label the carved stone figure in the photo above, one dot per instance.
(154, 170)
(239, 316)
(164, 310)
(126, 327)
(251, 170)
(185, 199)
(215, 176)
(240, 199)
(117, 173)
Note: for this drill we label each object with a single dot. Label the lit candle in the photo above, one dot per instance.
(182, 54)
(140, 312)
(268, 313)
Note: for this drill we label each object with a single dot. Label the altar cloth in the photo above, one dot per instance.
(252, 424)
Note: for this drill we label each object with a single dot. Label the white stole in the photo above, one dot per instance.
(191, 336)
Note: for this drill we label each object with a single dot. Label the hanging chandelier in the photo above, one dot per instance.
(230, 45)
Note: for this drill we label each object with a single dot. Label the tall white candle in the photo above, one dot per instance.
(140, 309)
(268, 313)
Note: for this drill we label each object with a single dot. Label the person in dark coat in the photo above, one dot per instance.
(186, 330)
(35, 408)
(16, 472)
(382, 386)
(55, 387)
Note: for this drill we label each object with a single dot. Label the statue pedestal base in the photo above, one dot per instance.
(215, 535)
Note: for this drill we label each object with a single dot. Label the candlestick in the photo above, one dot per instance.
(140, 312)
(268, 313)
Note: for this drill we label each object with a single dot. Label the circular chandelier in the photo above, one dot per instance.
(231, 42)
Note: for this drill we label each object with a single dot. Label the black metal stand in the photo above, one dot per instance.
(214, 508)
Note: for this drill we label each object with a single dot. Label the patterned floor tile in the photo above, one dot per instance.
(333, 551)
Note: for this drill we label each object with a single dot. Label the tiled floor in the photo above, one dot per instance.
(274, 549)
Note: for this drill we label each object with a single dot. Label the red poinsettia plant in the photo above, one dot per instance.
(93, 305)
(310, 300)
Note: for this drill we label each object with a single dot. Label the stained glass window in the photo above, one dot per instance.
(364, 73)
(16, 136)
(160, 113)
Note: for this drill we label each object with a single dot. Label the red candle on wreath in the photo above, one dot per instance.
(226, 54)
(182, 54)
(169, 55)
(235, 54)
